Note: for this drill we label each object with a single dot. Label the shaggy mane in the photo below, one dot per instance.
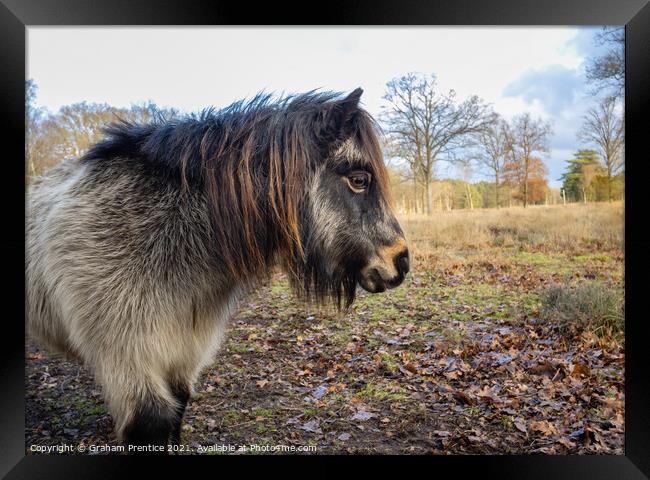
(253, 160)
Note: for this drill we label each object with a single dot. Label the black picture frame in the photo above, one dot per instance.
(16, 15)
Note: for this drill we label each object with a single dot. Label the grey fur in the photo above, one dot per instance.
(124, 282)
(123, 270)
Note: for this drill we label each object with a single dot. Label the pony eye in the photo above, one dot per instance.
(359, 181)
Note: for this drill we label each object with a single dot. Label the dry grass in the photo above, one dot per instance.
(592, 307)
(558, 228)
(465, 321)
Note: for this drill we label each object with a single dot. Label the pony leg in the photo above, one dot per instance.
(182, 395)
(151, 425)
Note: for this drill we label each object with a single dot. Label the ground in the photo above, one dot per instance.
(459, 359)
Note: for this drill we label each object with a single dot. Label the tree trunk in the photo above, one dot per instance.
(422, 208)
(526, 184)
(428, 195)
(415, 194)
(609, 186)
(31, 167)
(496, 190)
(468, 194)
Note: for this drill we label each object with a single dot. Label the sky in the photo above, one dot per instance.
(530, 69)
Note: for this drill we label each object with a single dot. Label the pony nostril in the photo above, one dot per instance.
(403, 262)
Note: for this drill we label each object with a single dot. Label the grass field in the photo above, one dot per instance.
(507, 337)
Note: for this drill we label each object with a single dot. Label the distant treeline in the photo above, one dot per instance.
(68, 133)
(454, 194)
(54, 136)
(424, 126)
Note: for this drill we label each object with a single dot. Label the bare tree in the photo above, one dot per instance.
(82, 123)
(527, 137)
(33, 118)
(51, 137)
(603, 128)
(607, 72)
(429, 125)
(401, 148)
(465, 168)
(493, 148)
(148, 111)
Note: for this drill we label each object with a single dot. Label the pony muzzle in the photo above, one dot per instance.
(386, 269)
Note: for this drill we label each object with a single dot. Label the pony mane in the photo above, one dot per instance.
(252, 159)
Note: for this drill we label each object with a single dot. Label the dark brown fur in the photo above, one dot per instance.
(253, 160)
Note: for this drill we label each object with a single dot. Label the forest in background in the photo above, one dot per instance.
(496, 162)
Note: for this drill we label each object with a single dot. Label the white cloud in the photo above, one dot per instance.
(192, 68)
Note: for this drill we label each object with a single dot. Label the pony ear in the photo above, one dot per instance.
(339, 117)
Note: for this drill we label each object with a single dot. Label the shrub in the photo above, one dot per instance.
(591, 306)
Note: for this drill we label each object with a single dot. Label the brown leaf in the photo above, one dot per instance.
(568, 444)
(544, 368)
(580, 370)
(453, 375)
(411, 367)
(543, 426)
(462, 397)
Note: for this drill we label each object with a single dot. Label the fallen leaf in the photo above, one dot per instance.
(319, 392)
(462, 397)
(543, 426)
(521, 426)
(411, 367)
(544, 368)
(362, 415)
(312, 426)
(580, 370)
(453, 375)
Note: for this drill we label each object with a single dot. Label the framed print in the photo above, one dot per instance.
(391, 229)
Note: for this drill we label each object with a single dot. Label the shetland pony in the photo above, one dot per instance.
(138, 252)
